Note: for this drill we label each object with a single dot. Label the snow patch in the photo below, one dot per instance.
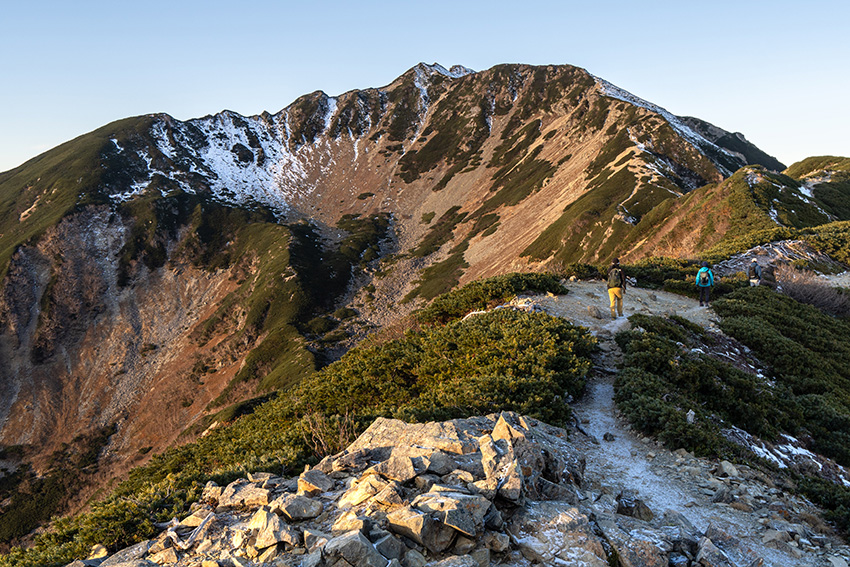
(613, 91)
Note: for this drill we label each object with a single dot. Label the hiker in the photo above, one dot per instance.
(616, 288)
(754, 273)
(704, 281)
(768, 276)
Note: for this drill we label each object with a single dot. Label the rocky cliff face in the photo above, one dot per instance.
(82, 352)
(496, 490)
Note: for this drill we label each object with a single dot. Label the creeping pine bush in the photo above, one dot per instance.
(663, 379)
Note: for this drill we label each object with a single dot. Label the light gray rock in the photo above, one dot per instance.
(455, 561)
(727, 469)
(243, 494)
(463, 512)
(132, 553)
(555, 533)
(361, 491)
(398, 467)
(314, 539)
(421, 528)
(295, 507)
(634, 547)
(355, 549)
(497, 542)
(314, 482)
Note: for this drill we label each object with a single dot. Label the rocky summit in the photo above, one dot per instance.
(497, 490)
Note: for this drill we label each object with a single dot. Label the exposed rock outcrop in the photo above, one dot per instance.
(496, 490)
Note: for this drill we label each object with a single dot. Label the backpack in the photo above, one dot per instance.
(614, 278)
(702, 279)
(752, 272)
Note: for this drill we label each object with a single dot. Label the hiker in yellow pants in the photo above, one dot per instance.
(616, 288)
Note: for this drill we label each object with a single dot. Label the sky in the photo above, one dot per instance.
(777, 71)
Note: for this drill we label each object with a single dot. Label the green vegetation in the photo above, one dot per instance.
(662, 381)
(428, 217)
(504, 360)
(806, 393)
(817, 164)
(440, 233)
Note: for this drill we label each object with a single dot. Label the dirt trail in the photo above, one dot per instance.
(625, 460)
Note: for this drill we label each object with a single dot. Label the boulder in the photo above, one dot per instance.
(314, 539)
(628, 504)
(497, 542)
(314, 482)
(725, 468)
(165, 557)
(501, 468)
(243, 494)
(354, 549)
(635, 547)
(391, 547)
(463, 512)
(421, 528)
(361, 491)
(554, 533)
(271, 530)
(441, 463)
(733, 548)
(132, 553)
(295, 507)
(399, 468)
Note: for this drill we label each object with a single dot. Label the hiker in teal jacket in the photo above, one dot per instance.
(705, 281)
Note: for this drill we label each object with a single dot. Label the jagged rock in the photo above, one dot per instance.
(441, 463)
(271, 553)
(355, 549)
(455, 436)
(424, 482)
(709, 555)
(210, 563)
(398, 467)
(463, 512)
(313, 559)
(725, 468)
(555, 533)
(84, 563)
(295, 507)
(733, 548)
(314, 538)
(391, 547)
(635, 547)
(314, 482)
(630, 505)
(463, 545)
(608, 437)
(390, 497)
(501, 468)
(497, 542)
(132, 553)
(361, 491)
(197, 517)
(680, 532)
(243, 494)
(350, 521)
(165, 557)
(414, 559)
(271, 530)
(421, 528)
(352, 461)
(837, 561)
(594, 312)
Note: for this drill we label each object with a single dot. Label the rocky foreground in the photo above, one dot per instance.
(496, 490)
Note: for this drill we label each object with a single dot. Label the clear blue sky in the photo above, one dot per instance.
(778, 71)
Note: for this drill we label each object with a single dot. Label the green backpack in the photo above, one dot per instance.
(614, 279)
